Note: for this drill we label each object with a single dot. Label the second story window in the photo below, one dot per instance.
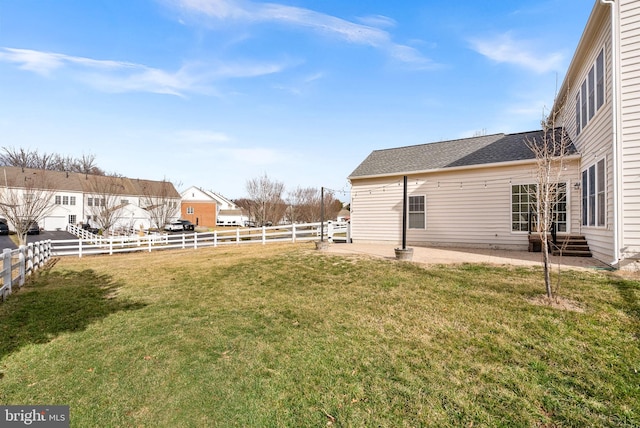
(590, 96)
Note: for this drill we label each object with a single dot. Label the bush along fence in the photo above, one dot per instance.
(18, 264)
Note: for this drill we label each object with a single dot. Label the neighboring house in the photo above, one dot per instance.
(199, 207)
(473, 192)
(209, 209)
(75, 198)
(343, 215)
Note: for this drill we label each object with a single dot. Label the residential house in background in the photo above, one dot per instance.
(475, 192)
(199, 207)
(75, 198)
(210, 209)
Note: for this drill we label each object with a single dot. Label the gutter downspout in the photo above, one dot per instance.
(617, 149)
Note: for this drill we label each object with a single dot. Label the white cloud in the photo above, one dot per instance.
(299, 86)
(201, 137)
(45, 63)
(379, 21)
(118, 76)
(504, 48)
(253, 12)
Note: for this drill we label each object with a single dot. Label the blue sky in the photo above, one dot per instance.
(213, 93)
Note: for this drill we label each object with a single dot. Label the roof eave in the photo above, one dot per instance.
(456, 168)
(587, 34)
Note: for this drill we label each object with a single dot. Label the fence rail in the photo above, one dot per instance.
(90, 244)
(18, 264)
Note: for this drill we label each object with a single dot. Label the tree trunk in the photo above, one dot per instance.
(547, 264)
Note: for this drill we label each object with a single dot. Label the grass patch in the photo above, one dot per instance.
(281, 335)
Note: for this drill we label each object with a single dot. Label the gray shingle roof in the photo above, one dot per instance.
(486, 149)
(76, 182)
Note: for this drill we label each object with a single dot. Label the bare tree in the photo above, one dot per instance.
(550, 154)
(266, 203)
(18, 157)
(25, 197)
(86, 164)
(304, 205)
(247, 206)
(161, 200)
(104, 200)
(298, 200)
(24, 158)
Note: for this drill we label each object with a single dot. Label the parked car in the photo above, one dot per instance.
(4, 229)
(187, 225)
(90, 229)
(31, 227)
(174, 226)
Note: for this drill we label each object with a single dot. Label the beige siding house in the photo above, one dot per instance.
(466, 193)
(472, 192)
(600, 100)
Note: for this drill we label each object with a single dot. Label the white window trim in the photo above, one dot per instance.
(515, 183)
(567, 183)
(424, 226)
(584, 222)
(582, 122)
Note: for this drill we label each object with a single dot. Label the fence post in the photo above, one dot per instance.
(237, 235)
(184, 244)
(47, 250)
(80, 248)
(111, 245)
(215, 238)
(39, 251)
(348, 231)
(195, 240)
(27, 251)
(293, 232)
(149, 241)
(6, 265)
(264, 235)
(37, 255)
(22, 261)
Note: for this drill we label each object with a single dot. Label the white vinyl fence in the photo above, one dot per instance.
(90, 244)
(18, 264)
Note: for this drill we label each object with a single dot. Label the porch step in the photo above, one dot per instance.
(571, 245)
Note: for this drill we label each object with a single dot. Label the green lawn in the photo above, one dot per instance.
(283, 335)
